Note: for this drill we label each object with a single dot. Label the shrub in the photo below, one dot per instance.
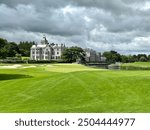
(45, 61)
(126, 67)
(12, 61)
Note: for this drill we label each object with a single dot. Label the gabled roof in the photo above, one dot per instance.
(38, 46)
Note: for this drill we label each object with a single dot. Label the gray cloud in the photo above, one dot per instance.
(122, 25)
(51, 21)
(38, 3)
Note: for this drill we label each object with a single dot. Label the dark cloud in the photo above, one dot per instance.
(51, 21)
(38, 3)
(122, 25)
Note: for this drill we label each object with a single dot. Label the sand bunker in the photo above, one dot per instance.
(15, 66)
(10, 66)
(29, 67)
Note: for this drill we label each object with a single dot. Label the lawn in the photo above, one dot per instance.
(73, 88)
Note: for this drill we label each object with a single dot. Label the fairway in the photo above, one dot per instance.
(72, 88)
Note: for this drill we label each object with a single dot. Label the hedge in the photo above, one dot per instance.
(31, 61)
(134, 68)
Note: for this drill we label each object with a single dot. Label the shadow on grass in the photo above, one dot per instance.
(13, 76)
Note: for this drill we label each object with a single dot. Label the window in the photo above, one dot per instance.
(53, 57)
(46, 57)
(57, 52)
(53, 53)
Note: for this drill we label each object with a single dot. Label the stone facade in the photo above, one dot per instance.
(93, 56)
(46, 51)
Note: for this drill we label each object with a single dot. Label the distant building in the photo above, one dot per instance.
(46, 51)
(93, 56)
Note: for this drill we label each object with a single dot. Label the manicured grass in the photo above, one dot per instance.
(73, 88)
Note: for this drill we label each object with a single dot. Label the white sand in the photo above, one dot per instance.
(15, 66)
(29, 67)
(10, 66)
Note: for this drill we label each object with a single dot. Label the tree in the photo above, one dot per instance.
(143, 59)
(12, 49)
(148, 57)
(3, 51)
(135, 57)
(131, 58)
(124, 59)
(72, 54)
(3, 42)
(24, 48)
(112, 56)
(141, 55)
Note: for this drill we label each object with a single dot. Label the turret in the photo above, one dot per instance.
(44, 41)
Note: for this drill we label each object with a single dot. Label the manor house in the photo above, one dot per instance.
(46, 51)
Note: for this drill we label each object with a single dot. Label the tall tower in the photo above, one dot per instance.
(44, 41)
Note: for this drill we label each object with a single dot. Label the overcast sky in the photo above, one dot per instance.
(121, 25)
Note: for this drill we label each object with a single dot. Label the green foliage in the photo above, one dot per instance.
(3, 51)
(143, 59)
(148, 58)
(143, 56)
(124, 59)
(8, 49)
(11, 49)
(72, 54)
(3, 42)
(45, 61)
(13, 61)
(130, 58)
(24, 48)
(112, 56)
(25, 58)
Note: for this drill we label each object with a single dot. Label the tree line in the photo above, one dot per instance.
(73, 53)
(113, 56)
(12, 49)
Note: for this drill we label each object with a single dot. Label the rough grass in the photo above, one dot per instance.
(73, 88)
(136, 66)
